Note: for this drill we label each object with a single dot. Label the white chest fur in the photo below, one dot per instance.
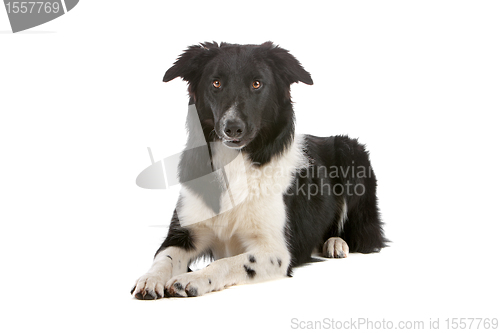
(251, 205)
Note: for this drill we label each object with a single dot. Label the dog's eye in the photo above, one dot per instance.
(256, 84)
(216, 84)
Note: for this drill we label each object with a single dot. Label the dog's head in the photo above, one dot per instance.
(239, 90)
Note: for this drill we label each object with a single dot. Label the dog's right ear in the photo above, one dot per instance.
(189, 66)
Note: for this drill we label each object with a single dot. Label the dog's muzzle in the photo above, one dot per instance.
(234, 131)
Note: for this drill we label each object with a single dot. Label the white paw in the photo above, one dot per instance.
(335, 247)
(151, 285)
(189, 284)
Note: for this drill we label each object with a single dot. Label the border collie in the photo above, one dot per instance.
(256, 198)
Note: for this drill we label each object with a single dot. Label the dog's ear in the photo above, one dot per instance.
(289, 67)
(189, 66)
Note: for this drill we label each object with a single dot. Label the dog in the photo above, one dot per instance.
(276, 198)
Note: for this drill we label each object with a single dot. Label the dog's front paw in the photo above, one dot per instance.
(335, 247)
(150, 286)
(189, 284)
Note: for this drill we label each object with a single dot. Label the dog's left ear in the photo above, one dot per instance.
(287, 64)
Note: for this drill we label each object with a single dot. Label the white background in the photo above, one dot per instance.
(81, 98)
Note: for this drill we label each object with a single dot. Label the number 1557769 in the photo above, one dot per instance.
(30, 7)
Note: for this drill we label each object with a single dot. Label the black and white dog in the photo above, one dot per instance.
(278, 197)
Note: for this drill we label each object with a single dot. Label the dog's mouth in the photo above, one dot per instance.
(235, 144)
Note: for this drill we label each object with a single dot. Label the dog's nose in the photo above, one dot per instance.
(234, 128)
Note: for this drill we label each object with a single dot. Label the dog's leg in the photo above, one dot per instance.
(361, 228)
(173, 257)
(243, 268)
(152, 284)
(266, 256)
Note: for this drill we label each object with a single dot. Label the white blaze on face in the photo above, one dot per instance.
(229, 114)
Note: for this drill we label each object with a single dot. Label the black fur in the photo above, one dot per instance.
(192, 292)
(250, 272)
(177, 236)
(267, 119)
(268, 113)
(312, 222)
